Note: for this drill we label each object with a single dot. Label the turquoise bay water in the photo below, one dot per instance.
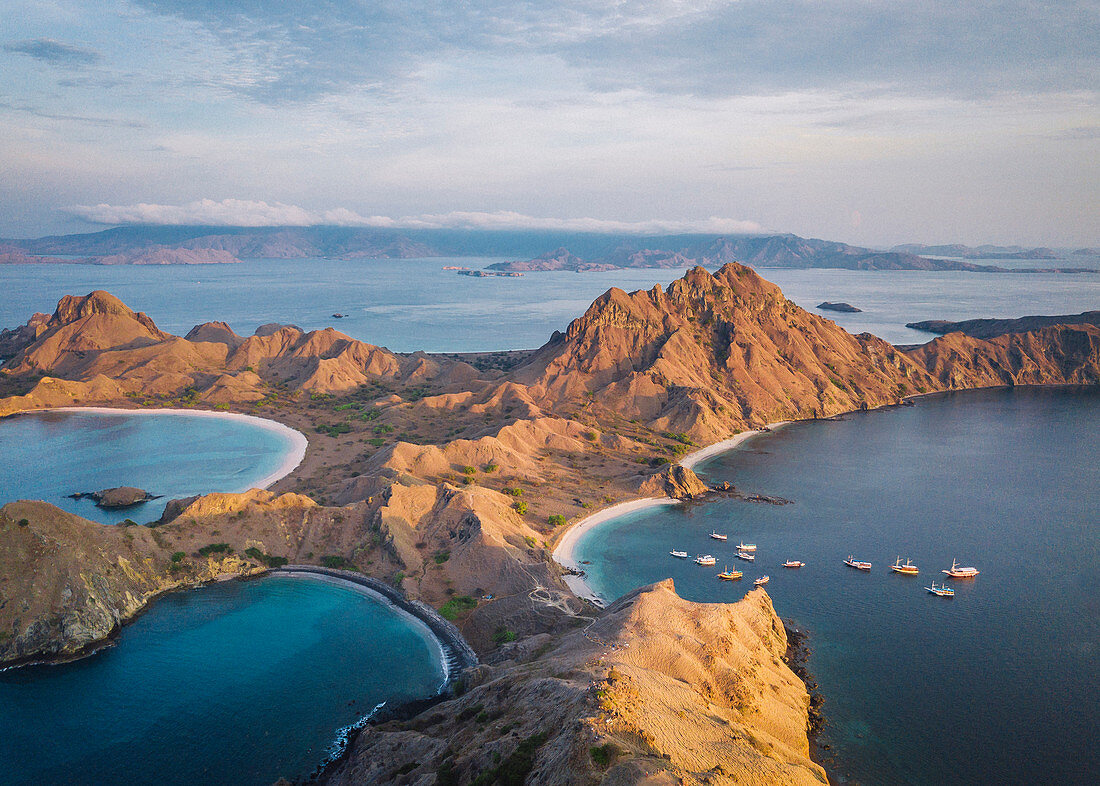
(53, 454)
(410, 305)
(1001, 683)
(240, 682)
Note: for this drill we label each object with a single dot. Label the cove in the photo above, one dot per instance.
(998, 684)
(55, 453)
(239, 682)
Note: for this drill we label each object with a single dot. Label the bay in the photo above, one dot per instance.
(996, 685)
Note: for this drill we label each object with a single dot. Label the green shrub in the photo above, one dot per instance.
(556, 520)
(456, 605)
(23, 522)
(334, 429)
(491, 467)
(503, 636)
(442, 557)
(521, 507)
(376, 441)
(335, 561)
(178, 556)
(215, 548)
(604, 754)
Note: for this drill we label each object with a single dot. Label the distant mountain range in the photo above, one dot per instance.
(994, 252)
(581, 252)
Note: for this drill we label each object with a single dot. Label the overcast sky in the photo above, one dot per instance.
(868, 121)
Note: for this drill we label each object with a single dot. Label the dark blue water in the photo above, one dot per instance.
(241, 682)
(50, 455)
(1000, 684)
(410, 305)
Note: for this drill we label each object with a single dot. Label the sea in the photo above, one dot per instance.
(241, 682)
(408, 305)
(999, 684)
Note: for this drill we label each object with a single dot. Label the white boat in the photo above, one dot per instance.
(855, 563)
(706, 559)
(680, 554)
(746, 547)
(909, 569)
(746, 556)
(716, 536)
(794, 563)
(762, 580)
(943, 590)
(960, 573)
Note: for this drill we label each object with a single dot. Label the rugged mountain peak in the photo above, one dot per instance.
(73, 307)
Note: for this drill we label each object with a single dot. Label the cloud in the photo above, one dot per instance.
(246, 213)
(55, 52)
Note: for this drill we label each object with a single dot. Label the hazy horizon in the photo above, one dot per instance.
(870, 123)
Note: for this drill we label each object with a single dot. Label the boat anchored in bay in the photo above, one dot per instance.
(679, 554)
(943, 590)
(909, 569)
(730, 575)
(706, 559)
(957, 572)
(857, 564)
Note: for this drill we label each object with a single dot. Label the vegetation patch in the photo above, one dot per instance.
(215, 548)
(335, 561)
(456, 605)
(603, 755)
(514, 770)
(266, 559)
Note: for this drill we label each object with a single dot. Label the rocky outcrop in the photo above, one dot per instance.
(657, 690)
(118, 497)
(675, 481)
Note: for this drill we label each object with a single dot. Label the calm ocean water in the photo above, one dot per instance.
(410, 305)
(240, 682)
(1000, 684)
(53, 454)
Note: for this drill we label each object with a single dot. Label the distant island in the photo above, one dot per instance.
(846, 308)
(528, 251)
(991, 328)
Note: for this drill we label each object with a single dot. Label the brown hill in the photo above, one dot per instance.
(713, 355)
(989, 328)
(656, 691)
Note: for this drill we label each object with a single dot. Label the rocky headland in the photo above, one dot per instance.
(118, 497)
(991, 328)
(452, 477)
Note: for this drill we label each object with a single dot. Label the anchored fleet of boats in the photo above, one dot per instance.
(747, 552)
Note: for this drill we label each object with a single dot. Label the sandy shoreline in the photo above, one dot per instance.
(293, 457)
(563, 552)
(691, 459)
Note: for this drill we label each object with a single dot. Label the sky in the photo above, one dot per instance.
(868, 121)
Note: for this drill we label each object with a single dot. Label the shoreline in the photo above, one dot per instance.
(563, 551)
(295, 454)
(690, 460)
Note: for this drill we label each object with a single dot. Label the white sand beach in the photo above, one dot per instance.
(691, 459)
(296, 439)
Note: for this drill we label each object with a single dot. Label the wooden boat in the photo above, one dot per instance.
(716, 536)
(706, 559)
(957, 572)
(762, 580)
(909, 569)
(746, 547)
(730, 575)
(746, 556)
(855, 563)
(943, 590)
(793, 563)
(679, 554)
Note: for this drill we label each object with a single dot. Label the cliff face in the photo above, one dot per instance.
(1060, 355)
(69, 583)
(658, 690)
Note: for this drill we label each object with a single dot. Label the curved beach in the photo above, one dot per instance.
(297, 440)
(710, 451)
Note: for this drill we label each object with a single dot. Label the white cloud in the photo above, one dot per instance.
(247, 213)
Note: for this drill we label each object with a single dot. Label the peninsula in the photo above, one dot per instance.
(452, 478)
